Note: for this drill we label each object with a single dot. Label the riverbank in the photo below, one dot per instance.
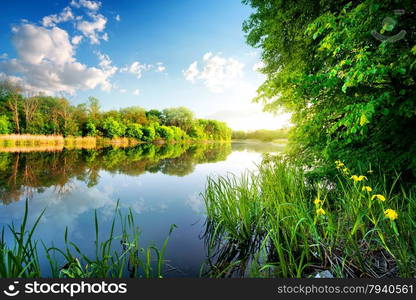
(28, 143)
(276, 223)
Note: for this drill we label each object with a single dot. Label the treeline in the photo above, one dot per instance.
(45, 115)
(350, 85)
(261, 134)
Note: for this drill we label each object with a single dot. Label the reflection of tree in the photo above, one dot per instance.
(23, 173)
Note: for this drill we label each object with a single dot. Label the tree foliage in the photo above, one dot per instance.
(352, 96)
(52, 115)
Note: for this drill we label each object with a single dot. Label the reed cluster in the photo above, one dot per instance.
(119, 255)
(276, 223)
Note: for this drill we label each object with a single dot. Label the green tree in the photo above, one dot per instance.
(4, 125)
(165, 132)
(352, 96)
(112, 128)
(90, 129)
(93, 108)
(179, 116)
(149, 133)
(134, 130)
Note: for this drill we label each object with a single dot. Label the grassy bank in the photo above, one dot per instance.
(119, 255)
(275, 223)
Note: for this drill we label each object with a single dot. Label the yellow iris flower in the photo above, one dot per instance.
(320, 212)
(391, 214)
(358, 178)
(317, 201)
(367, 188)
(379, 197)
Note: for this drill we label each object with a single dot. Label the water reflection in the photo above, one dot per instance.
(23, 174)
(160, 184)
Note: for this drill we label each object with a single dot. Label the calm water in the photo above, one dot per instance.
(161, 185)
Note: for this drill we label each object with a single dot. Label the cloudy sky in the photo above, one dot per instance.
(154, 54)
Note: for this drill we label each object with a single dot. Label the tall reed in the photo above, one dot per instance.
(115, 257)
(275, 223)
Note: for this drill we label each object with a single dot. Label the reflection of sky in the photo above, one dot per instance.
(158, 200)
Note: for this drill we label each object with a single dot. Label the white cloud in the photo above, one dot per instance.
(136, 68)
(107, 66)
(46, 62)
(36, 44)
(217, 72)
(123, 91)
(93, 29)
(54, 19)
(192, 72)
(91, 5)
(77, 39)
(136, 92)
(117, 18)
(160, 67)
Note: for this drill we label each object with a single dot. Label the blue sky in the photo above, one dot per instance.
(154, 54)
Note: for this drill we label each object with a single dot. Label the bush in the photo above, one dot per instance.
(4, 125)
(178, 134)
(149, 133)
(197, 132)
(112, 128)
(165, 133)
(90, 129)
(134, 130)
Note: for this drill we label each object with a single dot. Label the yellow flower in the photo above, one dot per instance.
(367, 188)
(391, 214)
(358, 178)
(317, 201)
(339, 164)
(346, 171)
(379, 197)
(320, 211)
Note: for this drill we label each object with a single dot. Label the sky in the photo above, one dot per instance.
(154, 54)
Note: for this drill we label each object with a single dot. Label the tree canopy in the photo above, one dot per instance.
(39, 114)
(352, 95)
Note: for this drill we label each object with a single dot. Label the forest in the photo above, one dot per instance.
(23, 113)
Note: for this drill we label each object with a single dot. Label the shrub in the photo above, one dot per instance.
(4, 125)
(134, 130)
(113, 128)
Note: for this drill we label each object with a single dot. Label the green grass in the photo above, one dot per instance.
(266, 224)
(22, 259)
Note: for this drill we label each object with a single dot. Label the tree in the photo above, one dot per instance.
(179, 116)
(352, 96)
(155, 115)
(113, 128)
(90, 129)
(4, 125)
(133, 114)
(93, 108)
(149, 133)
(134, 130)
(13, 95)
(165, 132)
(30, 105)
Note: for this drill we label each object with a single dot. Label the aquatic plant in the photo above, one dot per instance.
(116, 256)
